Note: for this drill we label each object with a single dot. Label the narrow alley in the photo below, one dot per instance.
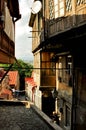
(17, 116)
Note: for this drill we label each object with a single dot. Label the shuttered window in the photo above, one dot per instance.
(80, 2)
(56, 8)
(68, 5)
(51, 9)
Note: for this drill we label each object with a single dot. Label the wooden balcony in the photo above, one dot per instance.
(59, 31)
(69, 26)
(66, 23)
(7, 49)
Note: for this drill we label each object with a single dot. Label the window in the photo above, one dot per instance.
(58, 8)
(79, 2)
(68, 5)
(53, 66)
(51, 9)
(65, 70)
(69, 64)
(60, 70)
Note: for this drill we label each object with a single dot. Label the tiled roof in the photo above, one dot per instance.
(12, 77)
(30, 81)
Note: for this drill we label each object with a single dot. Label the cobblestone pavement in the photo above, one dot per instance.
(18, 117)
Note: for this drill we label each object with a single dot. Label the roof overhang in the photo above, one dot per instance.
(13, 6)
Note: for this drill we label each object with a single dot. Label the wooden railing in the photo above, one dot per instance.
(67, 22)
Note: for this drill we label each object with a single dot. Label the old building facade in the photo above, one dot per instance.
(59, 33)
(9, 14)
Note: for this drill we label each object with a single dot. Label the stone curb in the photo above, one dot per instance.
(49, 121)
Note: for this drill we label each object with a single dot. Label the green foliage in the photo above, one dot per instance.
(24, 69)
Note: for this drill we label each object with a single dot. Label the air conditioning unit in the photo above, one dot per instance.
(66, 127)
(2, 18)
